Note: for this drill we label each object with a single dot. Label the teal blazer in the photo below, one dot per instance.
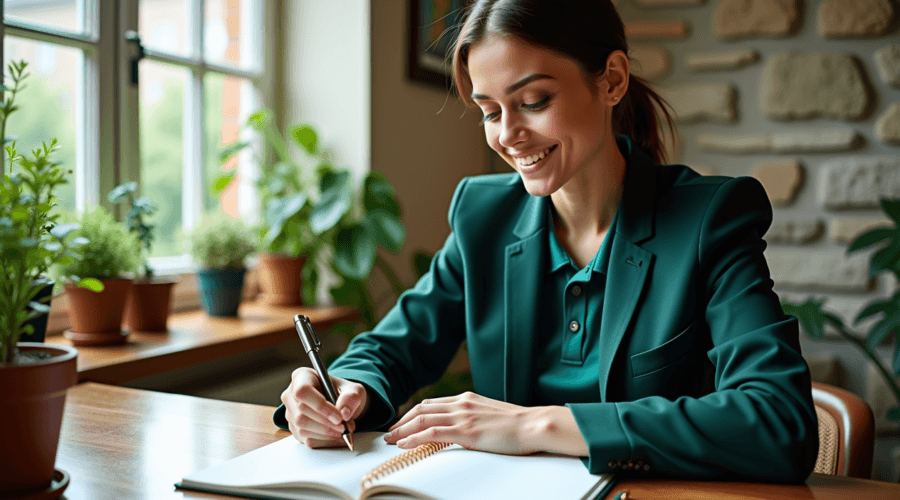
(700, 371)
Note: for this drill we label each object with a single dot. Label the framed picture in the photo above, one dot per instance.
(433, 28)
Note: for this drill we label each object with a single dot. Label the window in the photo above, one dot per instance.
(205, 68)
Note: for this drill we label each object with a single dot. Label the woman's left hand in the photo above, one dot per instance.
(472, 421)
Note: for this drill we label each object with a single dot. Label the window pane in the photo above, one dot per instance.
(47, 104)
(162, 143)
(165, 26)
(63, 15)
(229, 26)
(228, 101)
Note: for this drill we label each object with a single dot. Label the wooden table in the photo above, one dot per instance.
(194, 337)
(127, 443)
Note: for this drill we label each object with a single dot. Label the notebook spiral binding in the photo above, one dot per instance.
(401, 461)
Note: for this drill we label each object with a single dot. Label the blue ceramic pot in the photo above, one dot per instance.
(220, 290)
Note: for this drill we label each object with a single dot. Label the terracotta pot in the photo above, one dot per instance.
(96, 317)
(148, 305)
(280, 279)
(32, 403)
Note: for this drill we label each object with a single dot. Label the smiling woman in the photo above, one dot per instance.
(613, 308)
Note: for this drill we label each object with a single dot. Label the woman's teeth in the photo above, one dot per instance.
(531, 160)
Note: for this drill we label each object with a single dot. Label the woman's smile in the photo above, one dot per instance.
(532, 162)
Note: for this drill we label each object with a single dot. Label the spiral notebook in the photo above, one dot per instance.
(287, 469)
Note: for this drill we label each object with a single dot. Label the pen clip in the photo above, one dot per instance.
(307, 334)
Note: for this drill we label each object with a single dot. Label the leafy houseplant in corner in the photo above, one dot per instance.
(111, 255)
(886, 260)
(219, 244)
(34, 377)
(150, 299)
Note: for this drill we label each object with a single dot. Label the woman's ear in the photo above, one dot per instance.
(618, 70)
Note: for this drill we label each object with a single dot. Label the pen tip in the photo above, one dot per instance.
(348, 438)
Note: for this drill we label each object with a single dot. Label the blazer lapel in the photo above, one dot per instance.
(629, 264)
(525, 264)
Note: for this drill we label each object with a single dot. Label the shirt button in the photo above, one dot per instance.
(576, 290)
(573, 326)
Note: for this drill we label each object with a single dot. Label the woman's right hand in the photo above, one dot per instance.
(311, 418)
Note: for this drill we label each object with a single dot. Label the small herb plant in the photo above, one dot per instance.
(220, 241)
(110, 252)
(887, 259)
(138, 209)
(31, 239)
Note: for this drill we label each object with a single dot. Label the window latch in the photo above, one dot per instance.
(132, 36)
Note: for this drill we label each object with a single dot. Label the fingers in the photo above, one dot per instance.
(311, 419)
(352, 398)
(421, 423)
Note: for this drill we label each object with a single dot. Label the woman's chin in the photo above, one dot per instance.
(537, 187)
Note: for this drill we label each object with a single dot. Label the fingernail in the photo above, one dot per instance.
(334, 418)
(402, 443)
(346, 413)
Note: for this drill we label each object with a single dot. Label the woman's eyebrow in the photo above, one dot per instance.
(516, 86)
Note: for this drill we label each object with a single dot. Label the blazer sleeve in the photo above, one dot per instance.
(760, 421)
(413, 344)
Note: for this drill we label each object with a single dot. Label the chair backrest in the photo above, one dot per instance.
(846, 432)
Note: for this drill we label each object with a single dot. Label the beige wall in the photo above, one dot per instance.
(423, 139)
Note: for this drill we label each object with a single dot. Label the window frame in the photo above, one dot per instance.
(108, 150)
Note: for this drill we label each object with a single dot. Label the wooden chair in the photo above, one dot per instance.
(846, 432)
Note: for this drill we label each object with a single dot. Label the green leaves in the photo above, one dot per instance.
(232, 149)
(354, 251)
(379, 193)
(221, 182)
(279, 211)
(92, 284)
(334, 203)
(119, 194)
(389, 230)
(305, 136)
(811, 317)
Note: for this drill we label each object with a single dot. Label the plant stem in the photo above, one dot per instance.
(390, 275)
(887, 376)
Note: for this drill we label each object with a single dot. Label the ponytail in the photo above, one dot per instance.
(642, 115)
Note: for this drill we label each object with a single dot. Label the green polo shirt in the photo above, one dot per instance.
(568, 348)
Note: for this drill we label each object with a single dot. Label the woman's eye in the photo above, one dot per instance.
(537, 105)
(490, 116)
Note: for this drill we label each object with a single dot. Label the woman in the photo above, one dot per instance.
(614, 309)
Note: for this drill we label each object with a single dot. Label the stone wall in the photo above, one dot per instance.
(804, 95)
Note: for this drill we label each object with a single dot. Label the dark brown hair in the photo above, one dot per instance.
(587, 31)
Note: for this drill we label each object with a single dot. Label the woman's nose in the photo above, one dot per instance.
(512, 130)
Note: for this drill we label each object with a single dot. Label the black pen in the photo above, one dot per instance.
(311, 345)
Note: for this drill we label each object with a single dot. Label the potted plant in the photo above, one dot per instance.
(111, 255)
(284, 189)
(219, 244)
(812, 317)
(150, 299)
(33, 376)
(315, 210)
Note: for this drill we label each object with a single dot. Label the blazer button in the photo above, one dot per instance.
(574, 326)
(612, 464)
(576, 290)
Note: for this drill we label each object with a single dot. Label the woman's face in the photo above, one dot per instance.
(539, 114)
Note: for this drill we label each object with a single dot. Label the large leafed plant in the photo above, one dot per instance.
(311, 208)
(886, 259)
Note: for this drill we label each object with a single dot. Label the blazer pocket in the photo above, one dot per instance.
(660, 357)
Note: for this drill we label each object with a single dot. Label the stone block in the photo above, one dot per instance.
(798, 86)
(650, 61)
(888, 61)
(794, 231)
(703, 101)
(860, 182)
(673, 29)
(825, 368)
(887, 128)
(881, 398)
(781, 179)
(721, 60)
(854, 18)
(751, 18)
(812, 141)
(822, 270)
(847, 229)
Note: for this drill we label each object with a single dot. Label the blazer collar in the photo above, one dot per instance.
(636, 220)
